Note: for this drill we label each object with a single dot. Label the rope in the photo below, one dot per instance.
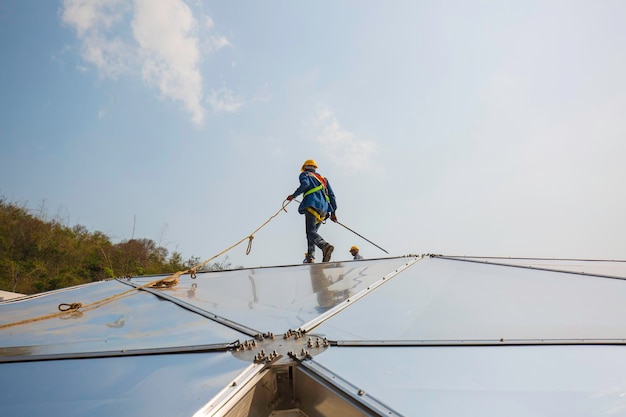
(173, 279)
(168, 282)
(249, 248)
(67, 307)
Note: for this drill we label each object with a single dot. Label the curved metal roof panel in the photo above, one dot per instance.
(277, 299)
(415, 335)
(121, 318)
(444, 300)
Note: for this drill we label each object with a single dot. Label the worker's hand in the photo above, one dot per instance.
(333, 217)
(290, 197)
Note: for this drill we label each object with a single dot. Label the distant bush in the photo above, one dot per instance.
(39, 255)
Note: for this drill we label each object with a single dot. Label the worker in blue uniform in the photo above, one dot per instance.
(318, 204)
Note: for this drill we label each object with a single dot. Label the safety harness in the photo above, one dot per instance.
(323, 186)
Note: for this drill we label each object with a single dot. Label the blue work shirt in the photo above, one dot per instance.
(316, 200)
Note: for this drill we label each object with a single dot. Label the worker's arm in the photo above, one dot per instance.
(333, 201)
(305, 184)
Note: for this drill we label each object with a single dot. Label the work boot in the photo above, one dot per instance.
(308, 260)
(327, 251)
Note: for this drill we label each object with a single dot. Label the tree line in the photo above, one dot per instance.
(38, 255)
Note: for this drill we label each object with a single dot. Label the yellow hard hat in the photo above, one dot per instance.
(353, 248)
(309, 162)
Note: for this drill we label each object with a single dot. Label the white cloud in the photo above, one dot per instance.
(208, 22)
(159, 40)
(165, 33)
(342, 146)
(224, 100)
(89, 16)
(215, 43)
(92, 20)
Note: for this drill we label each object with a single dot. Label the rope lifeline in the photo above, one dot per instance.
(68, 307)
(168, 282)
(173, 279)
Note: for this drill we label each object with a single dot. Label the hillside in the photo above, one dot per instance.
(39, 255)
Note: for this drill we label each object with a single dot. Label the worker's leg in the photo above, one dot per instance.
(314, 239)
(311, 234)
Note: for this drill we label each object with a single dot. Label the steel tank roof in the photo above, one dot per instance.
(413, 335)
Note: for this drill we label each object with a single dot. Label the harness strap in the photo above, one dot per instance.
(312, 190)
(318, 217)
(322, 186)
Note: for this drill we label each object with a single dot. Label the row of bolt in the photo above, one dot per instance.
(248, 344)
(318, 343)
(262, 356)
(304, 353)
(260, 337)
(297, 334)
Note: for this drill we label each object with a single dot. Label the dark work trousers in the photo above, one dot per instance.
(312, 237)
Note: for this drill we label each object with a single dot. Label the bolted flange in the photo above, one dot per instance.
(291, 347)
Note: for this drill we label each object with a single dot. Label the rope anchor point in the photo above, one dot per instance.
(70, 306)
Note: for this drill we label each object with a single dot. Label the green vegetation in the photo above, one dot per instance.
(37, 255)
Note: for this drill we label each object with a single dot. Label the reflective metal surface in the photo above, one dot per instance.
(137, 320)
(163, 385)
(512, 381)
(442, 299)
(615, 268)
(436, 336)
(46, 303)
(278, 299)
(325, 393)
(319, 399)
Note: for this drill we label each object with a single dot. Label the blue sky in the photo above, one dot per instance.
(491, 128)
